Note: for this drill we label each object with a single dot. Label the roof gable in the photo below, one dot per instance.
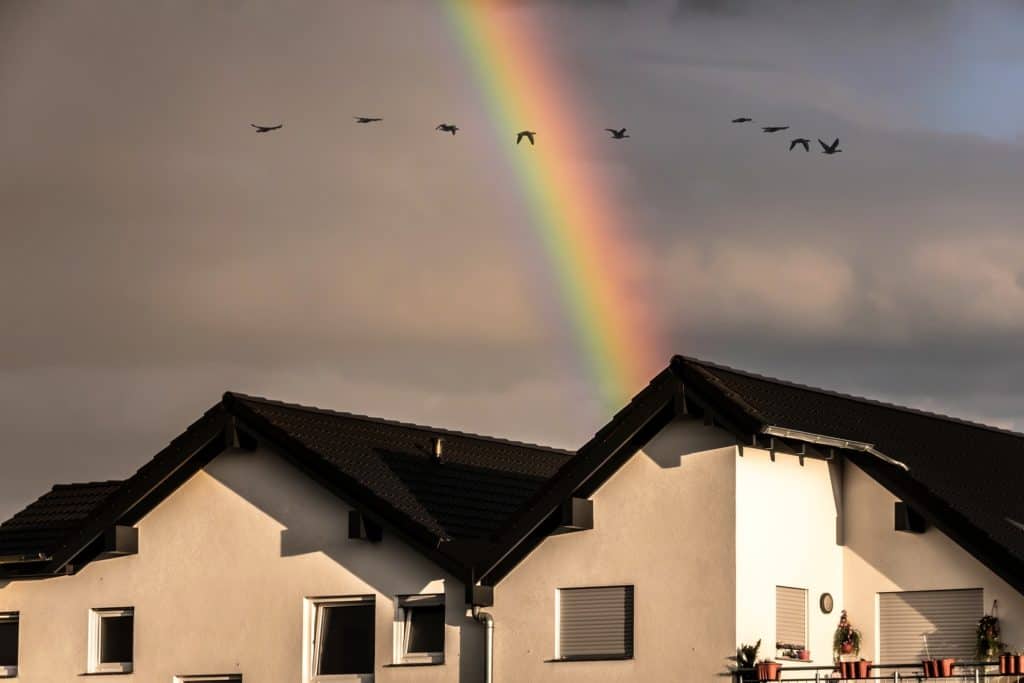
(448, 509)
(962, 475)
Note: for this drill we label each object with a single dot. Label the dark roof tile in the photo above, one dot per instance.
(43, 524)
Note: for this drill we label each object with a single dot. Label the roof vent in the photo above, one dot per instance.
(438, 444)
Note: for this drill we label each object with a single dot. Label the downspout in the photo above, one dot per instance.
(488, 621)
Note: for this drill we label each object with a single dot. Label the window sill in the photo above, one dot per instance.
(107, 673)
(403, 664)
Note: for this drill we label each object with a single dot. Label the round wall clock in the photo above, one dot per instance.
(826, 603)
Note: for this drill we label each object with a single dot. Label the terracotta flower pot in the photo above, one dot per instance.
(928, 665)
(1019, 661)
(805, 655)
(946, 666)
(846, 648)
(864, 668)
(1003, 667)
(768, 671)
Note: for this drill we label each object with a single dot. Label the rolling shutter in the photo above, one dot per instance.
(595, 623)
(791, 616)
(947, 619)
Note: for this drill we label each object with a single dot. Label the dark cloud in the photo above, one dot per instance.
(156, 251)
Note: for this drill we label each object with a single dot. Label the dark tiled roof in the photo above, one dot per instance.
(973, 470)
(40, 527)
(468, 495)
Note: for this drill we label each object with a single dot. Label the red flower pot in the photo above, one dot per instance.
(1019, 660)
(805, 655)
(946, 666)
(863, 668)
(846, 648)
(929, 668)
(1004, 666)
(768, 671)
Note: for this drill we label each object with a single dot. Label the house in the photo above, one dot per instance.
(275, 542)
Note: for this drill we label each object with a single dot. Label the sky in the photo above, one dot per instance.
(155, 251)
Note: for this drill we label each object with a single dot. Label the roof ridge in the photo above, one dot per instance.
(860, 399)
(398, 423)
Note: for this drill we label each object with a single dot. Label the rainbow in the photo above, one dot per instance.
(572, 210)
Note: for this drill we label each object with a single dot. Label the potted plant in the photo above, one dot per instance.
(746, 658)
(987, 643)
(846, 639)
(804, 654)
(768, 670)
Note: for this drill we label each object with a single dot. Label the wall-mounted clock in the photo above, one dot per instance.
(826, 603)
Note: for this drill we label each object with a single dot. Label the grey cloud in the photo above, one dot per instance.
(155, 252)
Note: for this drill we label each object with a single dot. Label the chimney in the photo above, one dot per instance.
(438, 443)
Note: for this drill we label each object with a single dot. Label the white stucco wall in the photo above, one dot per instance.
(878, 559)
(219, 584)
(663, 523)
(785, 536)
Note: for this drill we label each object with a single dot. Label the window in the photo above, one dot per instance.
(594, 623)
(342, 638)
(947, 619)
(419, 629)
(111, 639)
(8, 644)
(790, 618)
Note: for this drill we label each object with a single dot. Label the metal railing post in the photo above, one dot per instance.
(896, 676)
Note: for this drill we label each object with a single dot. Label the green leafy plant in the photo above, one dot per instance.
(846, 638)
(987, 643)
(746, 655)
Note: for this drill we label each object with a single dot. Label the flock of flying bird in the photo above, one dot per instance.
(825, 149)
(616, 133)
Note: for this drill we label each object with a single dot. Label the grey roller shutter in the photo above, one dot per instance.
(791, 616)
(595, 623)
(947, 618)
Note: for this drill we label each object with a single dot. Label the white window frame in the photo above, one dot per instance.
(12, 671)
(313, 608)
(96, 616)
(208, 678)
(403, 614)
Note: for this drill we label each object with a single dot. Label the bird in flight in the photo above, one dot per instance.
(742, 119)
(447, 128)
(366, 119)
(773, 129)
(619, 134)
(266, 129)
(525, 134)
(829, 149)
(800, 141)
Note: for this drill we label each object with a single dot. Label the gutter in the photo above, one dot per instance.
(488, 621)
(24, 559)
(822, 440)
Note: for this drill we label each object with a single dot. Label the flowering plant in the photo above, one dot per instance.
(846, 639)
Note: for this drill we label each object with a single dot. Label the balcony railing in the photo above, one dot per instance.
(963, 671)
